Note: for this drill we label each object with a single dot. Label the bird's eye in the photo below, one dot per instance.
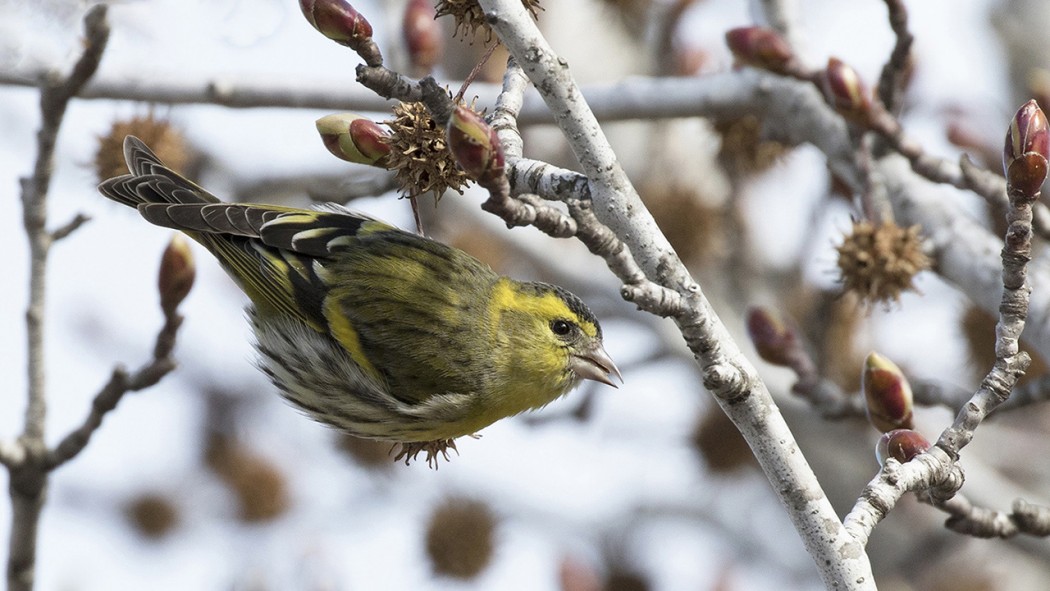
(561, 328)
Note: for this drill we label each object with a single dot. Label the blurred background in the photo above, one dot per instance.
(210, 481)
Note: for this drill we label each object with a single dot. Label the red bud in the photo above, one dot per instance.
(844, 89)
(177, 273)
(1026, 150)
(354, 138)
(775, 341)
(887, 393)
(422, 34)
(760, 47)
(901, 445)
(474, 146)
(337, 20)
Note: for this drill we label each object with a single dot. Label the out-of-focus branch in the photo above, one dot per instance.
(120, 383)
(981, 522)
(783, 17)
(56, 91)
(237, 93)
(895, 73)
(631, 98)
(28, 476)
(12, 453)
(69, 227)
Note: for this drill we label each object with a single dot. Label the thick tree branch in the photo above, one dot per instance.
(671, 291)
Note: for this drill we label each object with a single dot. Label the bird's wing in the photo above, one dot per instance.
(278, 254)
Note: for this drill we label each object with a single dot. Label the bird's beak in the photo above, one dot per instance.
(595, 364)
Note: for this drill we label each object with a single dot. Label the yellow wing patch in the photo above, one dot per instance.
(344, 332)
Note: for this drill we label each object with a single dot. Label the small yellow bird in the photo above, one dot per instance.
(378, 332)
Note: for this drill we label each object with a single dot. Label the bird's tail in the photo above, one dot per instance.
(150, 181)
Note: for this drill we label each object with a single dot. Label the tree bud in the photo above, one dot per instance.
(337, 20)
(474, 146)
(774, 340)
(844, 89)
(354, 138)
(1027, 150)
(901, 445)
(760, 47)
(177, 273)
(887, 393)
(422, 34)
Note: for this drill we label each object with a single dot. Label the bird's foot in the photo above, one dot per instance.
(410, 450)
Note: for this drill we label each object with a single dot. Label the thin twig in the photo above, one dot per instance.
(936, 472)
(28, 478)
(120, 383)
(981, 522)
(69, 227)
(895, 73)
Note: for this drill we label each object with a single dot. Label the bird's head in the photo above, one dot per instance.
(556, 339)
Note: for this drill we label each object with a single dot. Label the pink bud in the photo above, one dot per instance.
(760, 47)
(177, 274)
(887, 393)
(354, 138)
(901, 445)
(775, 341)
(1027, 150)
(337, 20)
(474, 146)
(844, 89)
(422, 34)
(575, 575)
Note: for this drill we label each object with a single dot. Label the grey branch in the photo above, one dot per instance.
(981, 522)
(69, 227)
(28, 475)
(670, 290)
(120, 383)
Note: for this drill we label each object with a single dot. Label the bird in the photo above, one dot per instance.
(375, 331)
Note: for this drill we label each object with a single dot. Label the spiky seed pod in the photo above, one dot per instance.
(261, 489)
(632, 14)
(879, 262)
(694, 226)
(622, 579)
(368, 453)
(470, 17)
(152, 514)
(460, 538)
(744, 151)
(163, 137)
(718, 441)
(419, 153)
